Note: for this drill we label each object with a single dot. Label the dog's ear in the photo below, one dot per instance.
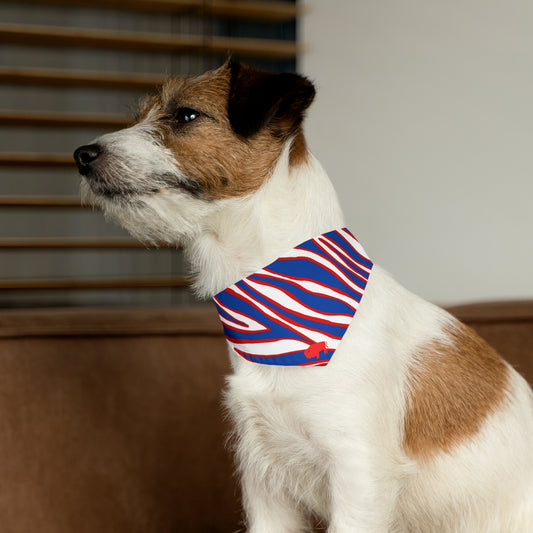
(258, 98)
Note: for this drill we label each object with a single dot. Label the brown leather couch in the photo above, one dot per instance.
(111, 420)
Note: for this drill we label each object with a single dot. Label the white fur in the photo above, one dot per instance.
(328, 440)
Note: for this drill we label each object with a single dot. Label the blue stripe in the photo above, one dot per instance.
(318, 302)
(339, 239)
(304, 268)
(309, 322)
(291, 359)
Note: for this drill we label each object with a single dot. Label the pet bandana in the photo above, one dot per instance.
(296, 310)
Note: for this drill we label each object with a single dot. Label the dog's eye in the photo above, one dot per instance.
(185, 115)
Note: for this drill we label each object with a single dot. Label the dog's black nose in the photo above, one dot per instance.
(85, 156)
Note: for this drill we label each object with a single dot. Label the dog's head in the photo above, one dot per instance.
(197, 142)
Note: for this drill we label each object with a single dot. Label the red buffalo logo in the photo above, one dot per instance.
(315, 349)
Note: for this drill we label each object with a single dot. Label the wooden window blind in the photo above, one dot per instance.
(71, 70)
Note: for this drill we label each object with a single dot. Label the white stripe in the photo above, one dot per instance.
(321, 244)
(326, 263)
(354, 242)
(315, 336)
(251, 325)
(344, 254)
(271, 348)
(282, 298)
(313, 288)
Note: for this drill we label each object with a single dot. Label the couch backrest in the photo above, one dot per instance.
(507, 326)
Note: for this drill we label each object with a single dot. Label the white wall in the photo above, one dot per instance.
(424, 121)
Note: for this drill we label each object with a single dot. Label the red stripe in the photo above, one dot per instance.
(346, 253)
(339, 250)
(298, 278)
(345, 265)
(290, 295)
(277, 321)
(223, 307)
(323, 267)
(350, 245)
(244, 354)
(294, 322)
(248, 357)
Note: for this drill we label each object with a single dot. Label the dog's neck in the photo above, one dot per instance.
(298, 202)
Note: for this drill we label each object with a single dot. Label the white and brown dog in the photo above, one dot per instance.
(415, 425)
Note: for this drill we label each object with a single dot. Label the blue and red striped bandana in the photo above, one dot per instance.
(296, 310)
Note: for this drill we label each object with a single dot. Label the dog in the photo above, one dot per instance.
(415, 424)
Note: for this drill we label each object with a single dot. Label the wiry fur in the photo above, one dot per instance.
(330, 441)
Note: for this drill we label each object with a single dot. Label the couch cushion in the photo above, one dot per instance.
(112, 422)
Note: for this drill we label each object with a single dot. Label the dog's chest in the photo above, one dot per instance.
(274, 438)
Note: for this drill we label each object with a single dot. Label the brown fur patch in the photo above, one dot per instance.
(299, 153)
(219, 162)
(451, 390)
(210, 153)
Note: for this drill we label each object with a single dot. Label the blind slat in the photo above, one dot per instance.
(13, 243)
(27, 34)
(62, 119)
(40, 201)
(70, 78)
(40, 160)
(260, 10)
(94, 283)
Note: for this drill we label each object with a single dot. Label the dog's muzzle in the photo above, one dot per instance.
(85, 156)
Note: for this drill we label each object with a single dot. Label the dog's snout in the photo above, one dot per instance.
(85, 156)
